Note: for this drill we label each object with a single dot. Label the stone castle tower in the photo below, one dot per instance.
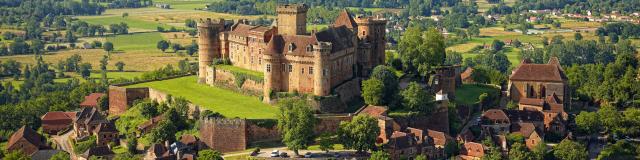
(208, 45)
(371, 32)
(292, 19)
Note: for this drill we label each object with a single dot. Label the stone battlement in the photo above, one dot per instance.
(370, 20)
(292, 8)
(209, 22)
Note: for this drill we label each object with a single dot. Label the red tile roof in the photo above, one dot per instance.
(374, 111)
(526, 129)
(57, 115)
(466, 74)
(27, 134)
(551, 72)
(439, 138)
(473, 149)
(532, 101)
(495, 115)
(345, 19)
(91, 100)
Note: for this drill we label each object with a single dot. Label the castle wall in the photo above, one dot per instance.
(227, 78)
(224, 135)
(120, 98)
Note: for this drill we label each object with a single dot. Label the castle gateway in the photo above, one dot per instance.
(292, 59)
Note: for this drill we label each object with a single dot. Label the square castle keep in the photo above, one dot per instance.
(292, 59)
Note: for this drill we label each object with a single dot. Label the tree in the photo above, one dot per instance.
(609, 116)
(613, 37)
(620, 150)
(37, 46)
(16, 155)
(420, 157)
(389, 81)
(588, 122)
(373, 91)
(380, 155)
(539, 151)
(108, 46)
(420, 51)
(360, 133)
(474, 30)
(103, 68)
(209, 155)
(164, 131)
(125, 14)
(61, 156)
(415, 98)
(326, 142)
(569, 150)
(85, 70)
(296, 123)
(162, 45)
(120, 66)
(176, 47)
(519, 151)
(103, 103)
(577, 36)
(497, 45)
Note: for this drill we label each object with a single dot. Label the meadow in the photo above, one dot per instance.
(228, 103)
(469, 94)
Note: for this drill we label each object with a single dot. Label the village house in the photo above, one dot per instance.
(532, 136)
(106, 133)
(466, 75)
(496, 121)
(26, 140)
(472, 151)
(56, 121)
(101, 152)
(86, 121)
(159, 152)
(146, 127)
(539, 86)
(91, 100)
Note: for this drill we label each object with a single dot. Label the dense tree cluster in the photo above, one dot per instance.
(573, 6)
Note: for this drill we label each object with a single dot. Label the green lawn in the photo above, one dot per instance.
(133, 23)
(117, 75)
(468, 93)
(240, 70)
(135, 41)
(185, 4)
(226, 102)
(317, 27)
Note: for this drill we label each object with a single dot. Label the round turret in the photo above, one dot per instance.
(271, 59)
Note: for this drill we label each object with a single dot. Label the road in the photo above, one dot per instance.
(63, 142)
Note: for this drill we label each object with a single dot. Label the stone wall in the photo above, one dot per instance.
(224, 135)
(220, 76)
(120, 98)
(229, 135)
(349, 90)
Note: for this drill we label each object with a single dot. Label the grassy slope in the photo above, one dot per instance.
(228, 103)
(133, 23)
(469, 93)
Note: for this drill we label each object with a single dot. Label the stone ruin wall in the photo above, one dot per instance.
(227, 78)
(224, 135)
(229, 135)
(120, 98)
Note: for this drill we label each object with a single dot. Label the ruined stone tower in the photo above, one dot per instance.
(208, 45)
(292, 19)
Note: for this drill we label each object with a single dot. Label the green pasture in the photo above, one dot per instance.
(240, 70)
(132, 22)
(468, 94)
(228, 103)
(135, 41)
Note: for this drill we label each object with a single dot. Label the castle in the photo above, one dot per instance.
(292, 59)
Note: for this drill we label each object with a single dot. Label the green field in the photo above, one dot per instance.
(136, 41)
(468, 94)
(185, 4)
(226, 102)
(131, 22)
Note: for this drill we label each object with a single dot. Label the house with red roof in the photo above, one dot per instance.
(539, 86)
(472, 151)
(56, 121)
(91, 100)
(26, 140)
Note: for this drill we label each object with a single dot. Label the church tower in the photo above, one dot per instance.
(208, 45)
(292, 19)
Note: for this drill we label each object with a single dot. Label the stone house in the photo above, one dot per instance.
(531, 84)
(495, 120)
(56, 121)
(159, 152)
(86, 121)
(472, 151)
(532, 136)
(147, 126)
(26, 140)
(106, 133)
(101, 152)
